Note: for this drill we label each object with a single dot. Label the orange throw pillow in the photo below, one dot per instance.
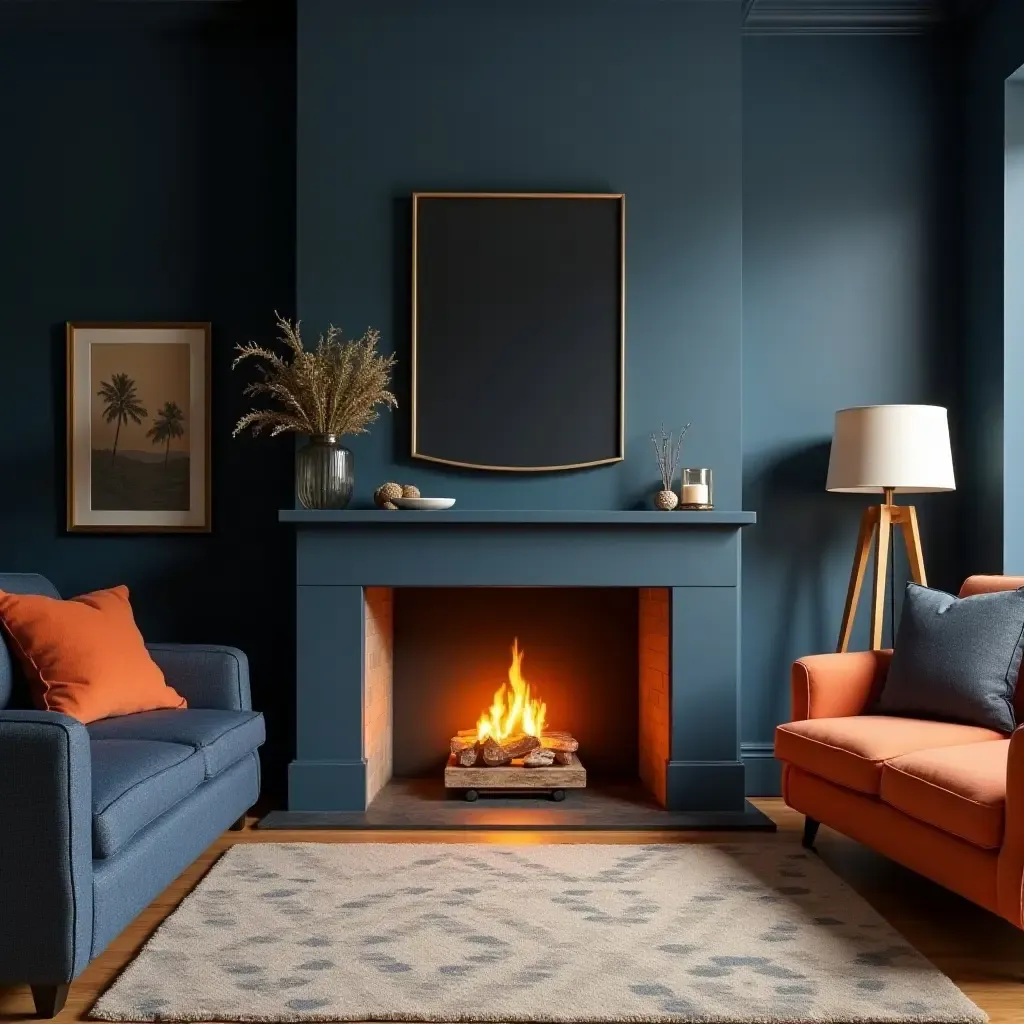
(85, 657)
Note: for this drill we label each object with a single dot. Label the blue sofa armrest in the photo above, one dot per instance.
(45, 848)
(207, 676)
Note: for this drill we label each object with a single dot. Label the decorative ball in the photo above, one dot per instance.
(409, 491)
(385, 495)
(665, 501)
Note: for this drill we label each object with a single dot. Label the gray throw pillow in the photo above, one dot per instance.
(956, 659)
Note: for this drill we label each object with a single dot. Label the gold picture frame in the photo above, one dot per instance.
(138, 427)
(620, 455)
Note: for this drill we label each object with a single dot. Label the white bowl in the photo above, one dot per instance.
(424, 504)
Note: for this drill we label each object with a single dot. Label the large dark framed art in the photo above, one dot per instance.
(518, 329)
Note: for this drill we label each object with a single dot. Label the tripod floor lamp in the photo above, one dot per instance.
(887, 449)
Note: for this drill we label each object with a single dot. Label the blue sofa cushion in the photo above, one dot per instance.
(221, 737)
(11, 693)
(133, 783)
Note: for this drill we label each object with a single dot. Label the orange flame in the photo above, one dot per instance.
(513, 711)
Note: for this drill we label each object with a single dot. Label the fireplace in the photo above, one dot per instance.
(625, 625)
(580, 696)
(577, 653)
(583, 685)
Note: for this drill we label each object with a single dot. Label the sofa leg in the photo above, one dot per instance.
(810, 833)
(239, 825)
(49, 999)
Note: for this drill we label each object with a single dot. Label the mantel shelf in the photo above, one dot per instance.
(514, 517)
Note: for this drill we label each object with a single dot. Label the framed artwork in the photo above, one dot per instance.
(518, 329)
(138, 408)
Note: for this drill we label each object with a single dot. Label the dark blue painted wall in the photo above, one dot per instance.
(158, 165)
(992, 406)
(1013, 343)
(148, 174)
(849, 244)
(532, 95)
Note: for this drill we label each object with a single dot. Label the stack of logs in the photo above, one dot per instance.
(551, 748)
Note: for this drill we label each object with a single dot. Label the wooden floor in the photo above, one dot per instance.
(983, 954)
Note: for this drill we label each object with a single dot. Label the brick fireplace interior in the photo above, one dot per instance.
(597, 656)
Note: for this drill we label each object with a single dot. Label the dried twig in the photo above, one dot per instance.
(666, 450)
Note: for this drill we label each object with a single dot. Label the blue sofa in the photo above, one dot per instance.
(98, 819)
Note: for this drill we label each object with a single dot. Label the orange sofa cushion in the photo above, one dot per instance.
(851, 751)
(961, 790)
(84, 657)
(942, 857)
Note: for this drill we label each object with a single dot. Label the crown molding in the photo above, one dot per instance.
(844, 17)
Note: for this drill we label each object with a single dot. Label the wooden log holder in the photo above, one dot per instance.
(518, 764)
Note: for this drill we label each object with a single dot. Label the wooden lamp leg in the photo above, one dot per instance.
(875, 525)
(868, 522)
(912, 539)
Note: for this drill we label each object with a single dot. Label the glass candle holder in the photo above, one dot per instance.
(695, 494)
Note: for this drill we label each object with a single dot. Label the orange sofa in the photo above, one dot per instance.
(945, 800)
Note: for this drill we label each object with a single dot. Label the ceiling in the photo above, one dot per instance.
(816, 17)
(870, 17)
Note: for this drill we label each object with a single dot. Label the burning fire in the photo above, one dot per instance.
(514, 711)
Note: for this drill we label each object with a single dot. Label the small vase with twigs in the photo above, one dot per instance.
(666, 450)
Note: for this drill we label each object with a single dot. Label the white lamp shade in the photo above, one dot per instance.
(902, 447)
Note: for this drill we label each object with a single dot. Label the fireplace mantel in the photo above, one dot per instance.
(511, 517)
(343, 556)
(488, 548)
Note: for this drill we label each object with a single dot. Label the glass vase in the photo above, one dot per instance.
(695, 494)
(324, 473)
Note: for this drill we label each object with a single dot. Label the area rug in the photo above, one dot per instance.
(562, 933)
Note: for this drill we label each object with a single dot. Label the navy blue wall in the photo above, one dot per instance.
(992, 404)
(534, 95)
(148, 174)
(849, 243)
(1013, 344)
(162, 172)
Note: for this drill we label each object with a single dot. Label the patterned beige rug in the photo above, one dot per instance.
(400, 932)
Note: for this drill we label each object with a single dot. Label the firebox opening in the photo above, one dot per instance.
(576, 649)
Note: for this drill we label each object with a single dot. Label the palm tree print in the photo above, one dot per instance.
(120, 403)
(167, 425)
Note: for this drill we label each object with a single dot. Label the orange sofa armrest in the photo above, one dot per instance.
(837, 685)
(1010, 878)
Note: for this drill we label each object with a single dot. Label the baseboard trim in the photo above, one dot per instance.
(327, 785)
(762, 773)
(704, 786)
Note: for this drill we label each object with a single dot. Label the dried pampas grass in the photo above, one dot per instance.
(337, 388)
